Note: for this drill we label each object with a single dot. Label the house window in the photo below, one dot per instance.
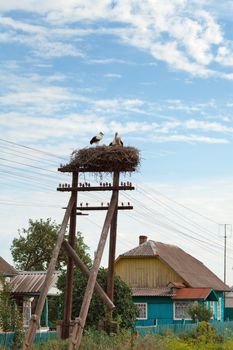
(211, 307)
(26, 312)
(219, 309)
(142, 307)
(181, 310)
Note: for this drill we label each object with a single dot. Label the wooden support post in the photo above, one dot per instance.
(112, 243)
(76, 336)
(70, 265)
(46, 310)
(34, 322)
(78, 262)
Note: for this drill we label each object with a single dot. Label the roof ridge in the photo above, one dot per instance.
(153, 247)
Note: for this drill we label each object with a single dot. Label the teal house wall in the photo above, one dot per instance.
(160, 310)
(228, 314)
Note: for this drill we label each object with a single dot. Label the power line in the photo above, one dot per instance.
(19, 155)
(33, 149)
(24, 178)
(176, 213)
(28, 165)
(172, 228)
(182, 205)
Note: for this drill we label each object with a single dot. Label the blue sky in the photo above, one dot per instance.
(158, 72)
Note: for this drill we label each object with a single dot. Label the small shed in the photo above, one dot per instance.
(26, 288)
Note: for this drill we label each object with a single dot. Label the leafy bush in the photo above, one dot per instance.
(199, 313)
(204, 334)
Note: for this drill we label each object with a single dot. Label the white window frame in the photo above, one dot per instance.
(219, 309)
(144, 305)
(27, 312)
(186, 303)
(211, 308)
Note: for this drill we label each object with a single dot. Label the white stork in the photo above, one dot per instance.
(96, 139)
(116, 141)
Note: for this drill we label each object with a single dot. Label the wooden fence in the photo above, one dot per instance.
(7, 339)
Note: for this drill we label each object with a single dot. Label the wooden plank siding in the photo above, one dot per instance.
(145, 272)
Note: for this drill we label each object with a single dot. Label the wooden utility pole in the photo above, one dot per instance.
(76, 336)
(225, 253)
(70, 265)
(126, 160)
(112, 243)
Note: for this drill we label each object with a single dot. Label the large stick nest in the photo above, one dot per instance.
(103, 159)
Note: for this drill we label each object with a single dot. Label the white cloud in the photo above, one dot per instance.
(225, 54)
(107, 61)
(190, 139)
(182, 34)
(21, 26)
(40, 39)
(112, 75)
(207, 126)
(198, 36)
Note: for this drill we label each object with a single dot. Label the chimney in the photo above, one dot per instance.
(142, 239)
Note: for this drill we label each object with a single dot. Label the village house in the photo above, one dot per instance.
(6, 269)
(165, 280)
(26, 287)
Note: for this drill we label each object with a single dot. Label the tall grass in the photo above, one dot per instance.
(204, 337)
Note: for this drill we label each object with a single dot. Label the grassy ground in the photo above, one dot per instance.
(148, 343)
(100, 341)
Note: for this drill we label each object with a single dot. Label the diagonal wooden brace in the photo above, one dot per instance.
(30, 335)
(78, 262)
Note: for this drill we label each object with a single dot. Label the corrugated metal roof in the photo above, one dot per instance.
(31, 282)
(152, 292)
(6, 268)
(192, 271)
(192, 293)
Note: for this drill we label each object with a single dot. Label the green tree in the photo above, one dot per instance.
(125, 310)
(10, 318)
(199, 312)
(5, 305)
(33, 249)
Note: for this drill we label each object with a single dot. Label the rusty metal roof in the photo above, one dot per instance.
(193, 293)
(190, 269)
(152, 292)
(31, 283)
(6, 268)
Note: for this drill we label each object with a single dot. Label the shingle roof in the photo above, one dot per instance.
(6, 268)
(177, 285)
(146, 249)
(191, 270)
(152, 292)
(31, 282)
